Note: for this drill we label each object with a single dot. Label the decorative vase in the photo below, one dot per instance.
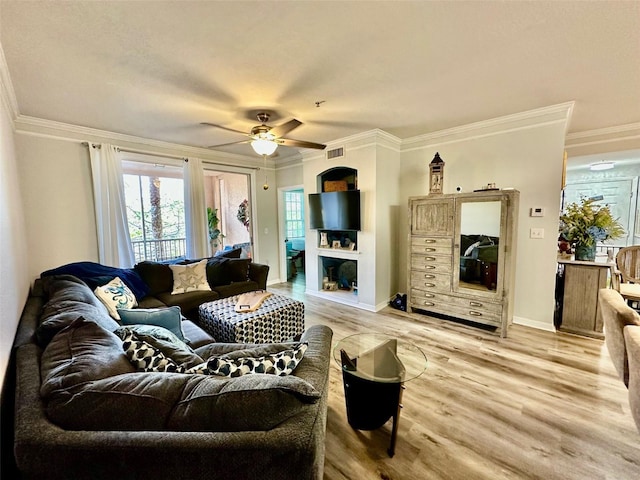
(585, 252)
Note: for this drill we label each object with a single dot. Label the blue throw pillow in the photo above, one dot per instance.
(169, 318)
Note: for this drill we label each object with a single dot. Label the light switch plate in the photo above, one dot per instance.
(536, 212)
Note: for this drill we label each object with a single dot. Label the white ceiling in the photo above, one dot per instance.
(158, 69)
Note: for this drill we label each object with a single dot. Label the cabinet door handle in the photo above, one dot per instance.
(475, 304)
(474, 313)
(429, 284)
(430, 267)
(428, 249)
(429, 240)
(429, 295)
(430, 259)
(430, 304)
(429, 276)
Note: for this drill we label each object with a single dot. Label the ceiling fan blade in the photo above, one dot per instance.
(223, 128)
(285, 128)
(227, 144)
(288, 142)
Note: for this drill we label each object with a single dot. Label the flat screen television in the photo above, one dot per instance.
(335, 210)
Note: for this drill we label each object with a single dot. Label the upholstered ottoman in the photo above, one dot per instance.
(278, 319)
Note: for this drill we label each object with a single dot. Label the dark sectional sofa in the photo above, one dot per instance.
(152, 282)
(82, 411)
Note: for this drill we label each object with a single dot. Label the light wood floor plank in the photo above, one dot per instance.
(536, 405)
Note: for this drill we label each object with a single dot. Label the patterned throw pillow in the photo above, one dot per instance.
(190, 278)
(115, 295)
(280, 364)
(146, 358)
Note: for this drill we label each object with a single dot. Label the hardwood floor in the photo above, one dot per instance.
(536, 405)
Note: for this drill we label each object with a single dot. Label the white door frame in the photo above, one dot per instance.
(282, 233)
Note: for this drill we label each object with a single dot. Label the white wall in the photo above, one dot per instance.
(54, 173)
(14, 279)
(524, 152)
(55, 177)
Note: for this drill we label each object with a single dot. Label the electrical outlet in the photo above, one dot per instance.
(536, 233)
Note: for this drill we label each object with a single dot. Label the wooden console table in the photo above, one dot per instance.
(580, 312)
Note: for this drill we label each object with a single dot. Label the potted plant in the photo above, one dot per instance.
(215, 235)
(586, 223)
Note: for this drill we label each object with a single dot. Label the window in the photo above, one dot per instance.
(155, 210)
(293, 210)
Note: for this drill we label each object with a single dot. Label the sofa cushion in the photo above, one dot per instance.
(81, 352)
(168, 317)
(157, 276)
(190, 278)
(69, 298)
(250, 402)
(188, 302)
(115, 295)
(237, 269)
(231, 253)
(216, 272)
(236, 288)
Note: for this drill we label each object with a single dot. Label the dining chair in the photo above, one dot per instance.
(625, 277)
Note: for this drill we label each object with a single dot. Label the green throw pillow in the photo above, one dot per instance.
(169, 318)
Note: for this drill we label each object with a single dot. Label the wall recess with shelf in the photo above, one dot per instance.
(352, 227)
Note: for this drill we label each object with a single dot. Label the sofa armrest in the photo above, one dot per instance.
(259, 272)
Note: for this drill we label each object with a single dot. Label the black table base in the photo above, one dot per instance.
(370, 404)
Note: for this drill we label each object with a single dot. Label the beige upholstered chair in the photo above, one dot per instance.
(632, 341)
(616, 315)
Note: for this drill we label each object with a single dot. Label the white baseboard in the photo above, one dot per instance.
(527, 322)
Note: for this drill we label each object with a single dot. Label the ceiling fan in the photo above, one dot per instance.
(265, 139)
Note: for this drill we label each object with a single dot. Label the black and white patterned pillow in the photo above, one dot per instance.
(146, 358)
(280, 363)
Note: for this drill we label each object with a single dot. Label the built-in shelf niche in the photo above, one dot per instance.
(330, 180)
(337, 265)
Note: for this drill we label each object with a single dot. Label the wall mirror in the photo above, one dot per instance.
(478, 236)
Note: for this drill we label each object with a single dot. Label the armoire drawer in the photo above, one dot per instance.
(430, 245)
(433, 263)
(424, 280)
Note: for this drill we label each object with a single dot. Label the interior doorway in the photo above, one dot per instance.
(228, 200)
(292, 234)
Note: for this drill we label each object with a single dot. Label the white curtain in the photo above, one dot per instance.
(114, 242)
(196, 225)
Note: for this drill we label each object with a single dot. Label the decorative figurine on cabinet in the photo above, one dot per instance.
(436, 175)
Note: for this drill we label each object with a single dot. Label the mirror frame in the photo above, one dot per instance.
(456, 284)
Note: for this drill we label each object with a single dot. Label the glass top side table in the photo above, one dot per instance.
(375, 367)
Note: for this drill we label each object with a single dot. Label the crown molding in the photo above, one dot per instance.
(7, 92)
(369, 138)
(602, 136)
(48, 128)
(495, 126)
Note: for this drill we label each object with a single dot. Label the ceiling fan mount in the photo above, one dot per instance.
(263, 133)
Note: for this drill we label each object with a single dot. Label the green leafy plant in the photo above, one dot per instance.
(215, 235)
(587, 223)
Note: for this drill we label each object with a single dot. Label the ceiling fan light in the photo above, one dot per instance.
(264, 147)
(601, 165)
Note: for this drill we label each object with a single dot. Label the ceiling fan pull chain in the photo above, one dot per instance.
(266, 181)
